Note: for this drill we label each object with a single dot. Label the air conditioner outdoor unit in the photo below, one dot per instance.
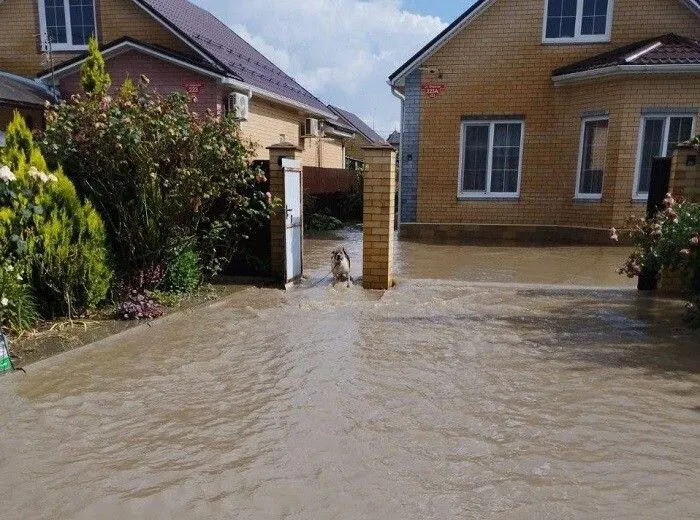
(238, 106)
(311, 127)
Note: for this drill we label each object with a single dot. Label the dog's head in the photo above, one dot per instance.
(337, 256)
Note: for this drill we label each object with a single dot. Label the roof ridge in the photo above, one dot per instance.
(218, 42)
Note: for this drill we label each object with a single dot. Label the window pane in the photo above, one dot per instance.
(506, 157)
(475, 157)
(82, 17)
(679, 132)
(595, 15)
(652, 146)
(595, 142)
(561, 18)
(55, 21)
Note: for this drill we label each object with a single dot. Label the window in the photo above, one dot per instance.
(577, 21)
(66, 24)
(659, 136)
(491, 157)
(591, 169)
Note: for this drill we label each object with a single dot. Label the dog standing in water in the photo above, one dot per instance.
(340, 266)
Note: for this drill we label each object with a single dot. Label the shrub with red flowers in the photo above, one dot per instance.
(668, 241)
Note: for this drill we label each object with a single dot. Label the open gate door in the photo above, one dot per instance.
(293, 220)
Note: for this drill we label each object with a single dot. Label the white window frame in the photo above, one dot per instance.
(640, 144)
(579, 171)
(578, 37)
(488, 194)
(69, 31)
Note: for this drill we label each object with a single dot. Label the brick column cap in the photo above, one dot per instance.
(285, 146)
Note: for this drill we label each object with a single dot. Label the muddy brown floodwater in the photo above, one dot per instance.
(438, 400)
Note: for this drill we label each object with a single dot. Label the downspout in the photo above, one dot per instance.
(401, 98)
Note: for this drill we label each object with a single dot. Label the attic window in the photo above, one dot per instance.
(66, 25)
(574, 21)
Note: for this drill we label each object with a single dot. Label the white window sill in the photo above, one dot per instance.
(574, 41)
(62, 47)
(588, 198)
(640, 200)
(488, 196)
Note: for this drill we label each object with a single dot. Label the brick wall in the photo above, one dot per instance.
(323, 152)
(20, 46)
(498, 66)
(165, 77)
(267, 121)
(685, 173)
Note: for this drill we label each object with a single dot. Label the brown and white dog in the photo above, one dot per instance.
(340, 266)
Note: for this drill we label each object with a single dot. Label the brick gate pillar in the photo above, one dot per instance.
(378, 217)
(278, 252)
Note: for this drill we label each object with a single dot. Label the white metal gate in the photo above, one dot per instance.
(293, 222)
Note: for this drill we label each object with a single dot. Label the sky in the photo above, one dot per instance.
(342, 51)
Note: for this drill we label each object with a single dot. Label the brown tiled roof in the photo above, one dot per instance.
(668, 49)
(358, 125)
(229, 51)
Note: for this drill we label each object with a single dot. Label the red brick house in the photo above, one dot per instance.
(178, 46)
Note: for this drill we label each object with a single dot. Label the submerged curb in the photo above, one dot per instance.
(163, 320)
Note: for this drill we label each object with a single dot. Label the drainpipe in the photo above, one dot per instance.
(401, 97)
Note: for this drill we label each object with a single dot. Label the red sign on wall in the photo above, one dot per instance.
(193, 88)
(433, 90)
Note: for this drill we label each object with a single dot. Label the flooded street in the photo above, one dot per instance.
(438, 400)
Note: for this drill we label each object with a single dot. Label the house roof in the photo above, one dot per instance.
(668, 52)
(125, 44)
(358, 125)
(227, 50)
(21, 91)
(394, 138)
(446, 35)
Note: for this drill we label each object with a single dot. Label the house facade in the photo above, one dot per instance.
(363, 135)
(179, 47)
(539, 119)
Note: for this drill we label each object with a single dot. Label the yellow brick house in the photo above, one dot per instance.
(180, 47)
(537, 120)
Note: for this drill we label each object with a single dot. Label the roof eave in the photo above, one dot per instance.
(398, 77)
(277, 98)
(622, 70)
(124, 46)
(693, 5)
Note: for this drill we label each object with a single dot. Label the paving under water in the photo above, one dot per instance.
(441, 399)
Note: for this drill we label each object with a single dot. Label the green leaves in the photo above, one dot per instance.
(93, 73)
(161, 177)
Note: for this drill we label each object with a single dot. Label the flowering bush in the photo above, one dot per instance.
(668, 241)
(52, 239)
(161, 176)
(17, 306)
(138, 306)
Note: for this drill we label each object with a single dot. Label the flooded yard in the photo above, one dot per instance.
(441, 399)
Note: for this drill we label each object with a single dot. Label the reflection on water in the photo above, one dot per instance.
(580, 266)
(438, 400)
